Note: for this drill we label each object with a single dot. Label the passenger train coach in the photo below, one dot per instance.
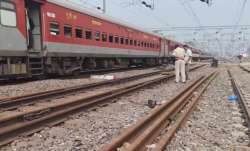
(39, 37)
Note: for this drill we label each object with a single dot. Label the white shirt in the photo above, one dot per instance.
(188, 54)
(179, 53)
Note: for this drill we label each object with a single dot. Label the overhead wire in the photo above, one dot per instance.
(149, 13)
(85, 2)
(241, 13)
(194, 14)
(154, 16)
(190, 11)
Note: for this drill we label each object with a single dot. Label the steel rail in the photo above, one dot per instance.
(242, 101)
(166, 138)
(85, 100)
(28, 123)
(14, 102)
(148, 128)
(22, 124)
(14, 126)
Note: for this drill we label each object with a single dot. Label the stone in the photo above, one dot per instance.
(241, 148)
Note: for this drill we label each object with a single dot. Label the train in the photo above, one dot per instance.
(43, 37)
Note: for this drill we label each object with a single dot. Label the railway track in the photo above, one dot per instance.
(28, 114)
(15, 102)
(157, 128)
(243, 99)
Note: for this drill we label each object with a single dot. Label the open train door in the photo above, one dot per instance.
(34, 38)
(34, 24)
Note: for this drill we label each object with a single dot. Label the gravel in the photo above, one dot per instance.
(216, 124)
(51, 84)
(90, 130)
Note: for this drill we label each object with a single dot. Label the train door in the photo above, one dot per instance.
(34, 40)
(33, 18)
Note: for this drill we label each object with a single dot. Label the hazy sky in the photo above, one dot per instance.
(172, 13)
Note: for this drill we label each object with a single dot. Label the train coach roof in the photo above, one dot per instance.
(87, 11)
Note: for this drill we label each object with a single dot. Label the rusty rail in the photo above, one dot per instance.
(14, 102)
(146, 130)
(35, 120)
(242, 101)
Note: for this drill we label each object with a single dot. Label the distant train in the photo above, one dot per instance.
(40, 37)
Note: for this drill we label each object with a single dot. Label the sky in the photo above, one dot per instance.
(187, 13)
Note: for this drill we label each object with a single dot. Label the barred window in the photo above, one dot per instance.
(126, 41)
(54, 28)
(104, 37)
(116, 39)
(68, 31)
(78, 31)
(131, 42)
(88, 34)
(122, 40)
(135, 43)
(97, 36)
(111, 38)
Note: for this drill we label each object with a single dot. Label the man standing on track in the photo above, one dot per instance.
(188, 60)
(179, 54)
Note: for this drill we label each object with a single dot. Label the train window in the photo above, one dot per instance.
(88, 34)
(126, 41)
(54, 28)
(131, 42)
(111, 38)
(104, 37)
(138, 43)
(78, 32)
(122, 40)
(141, 44)
(145, 44)
(151, 45)
(135, 43)
(97, 36)
(116, 39)
(148, 45)
(68, 31)
(7, 14)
